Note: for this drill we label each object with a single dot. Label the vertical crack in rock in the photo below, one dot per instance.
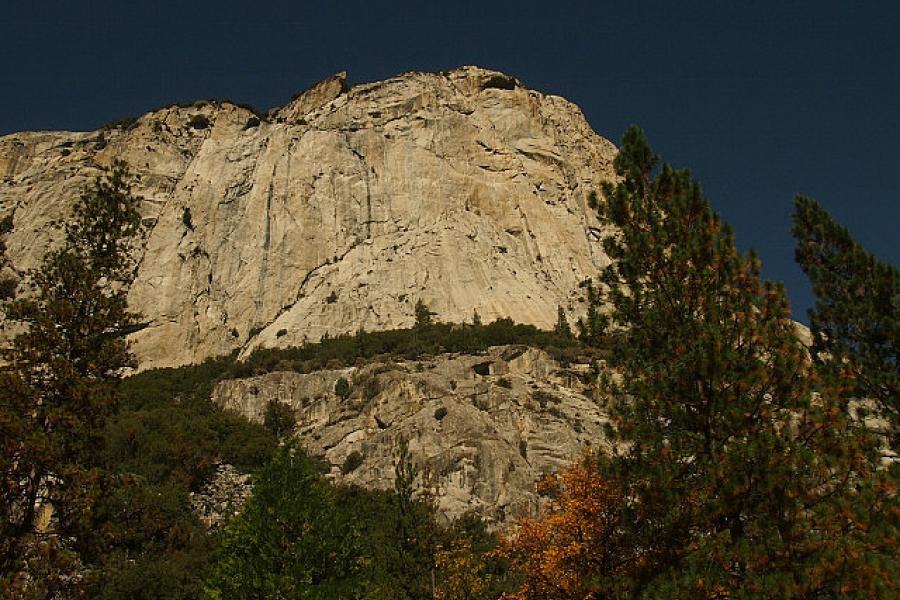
(365, 171)
(264, 262)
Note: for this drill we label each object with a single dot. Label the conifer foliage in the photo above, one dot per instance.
(290, 540)
(856, 318)
(7, 280)
(57, 389)
(740, 473)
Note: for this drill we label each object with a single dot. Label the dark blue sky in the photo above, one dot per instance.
(760, 99)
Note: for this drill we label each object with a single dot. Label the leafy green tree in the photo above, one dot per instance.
(741, 481)
(856, 319)
(290, 540)
(58, 387)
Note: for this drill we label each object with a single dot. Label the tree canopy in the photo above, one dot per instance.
(58, 389)
(856, 318)
(738, 472)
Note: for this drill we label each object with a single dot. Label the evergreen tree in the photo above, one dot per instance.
(562, 328)
(592, 328)
(7, 280)
(58, 386)
(856, 319)
(290, 540)
(415, 540)
(740, 480)
(279, 418)
(342, 388)
(424, 315)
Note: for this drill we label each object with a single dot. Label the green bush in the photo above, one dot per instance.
(411, 344)
(290, 540)
(198, 122)
(352, 462)
(186, 219)
(279, 418)
(342, 388)
(545, 399)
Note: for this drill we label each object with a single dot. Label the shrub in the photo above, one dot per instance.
(342, 388)
(440, 413)
(545, 398)
(186, 218)
(352, 462)
(279, 418)
(198, 122)
(126, 124)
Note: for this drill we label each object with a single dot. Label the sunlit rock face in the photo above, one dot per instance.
(336, 212)
(481, 429)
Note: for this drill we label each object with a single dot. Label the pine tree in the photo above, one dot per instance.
(415, 529)
(424, 315)
(856, 319)
(740, 480)
(289, 540)
(562, 328)
(7, 280)
(592, 327)
(58, 386)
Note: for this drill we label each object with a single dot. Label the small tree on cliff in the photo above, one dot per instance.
(424, 315)
(57, 388)
(7, 281)
(562, 328)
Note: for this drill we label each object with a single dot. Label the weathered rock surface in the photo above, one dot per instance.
(222, 496)
(482, 429)
(335, 212)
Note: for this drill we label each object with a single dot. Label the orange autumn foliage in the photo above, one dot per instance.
(562, 554)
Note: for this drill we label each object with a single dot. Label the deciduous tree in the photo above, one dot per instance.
(562, 554)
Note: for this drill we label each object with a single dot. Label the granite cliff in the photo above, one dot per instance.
(481, 428)
(335, 212)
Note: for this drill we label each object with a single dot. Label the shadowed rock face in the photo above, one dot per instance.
(336, 212)
(480, 440)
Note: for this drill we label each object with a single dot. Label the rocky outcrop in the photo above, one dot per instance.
(222, 496)
(336, 212)
(482, 429)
